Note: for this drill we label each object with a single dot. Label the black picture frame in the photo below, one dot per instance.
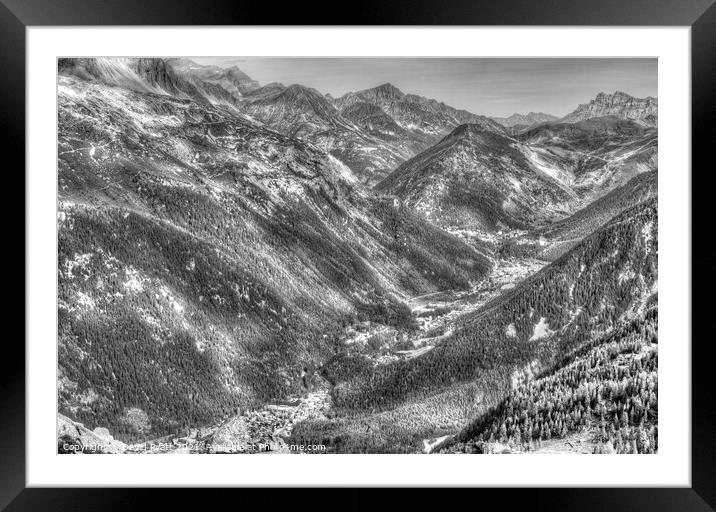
(17, 15)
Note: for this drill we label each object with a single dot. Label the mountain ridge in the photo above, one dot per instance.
(619, 104)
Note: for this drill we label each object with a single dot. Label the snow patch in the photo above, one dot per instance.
(134, 280)
(511, 331)
(79, 261)
(428, 446)
(647, 233)
(508, 205)
(562, 176)
(178, 308)
(541, 330)
(627, 274)
(85, 300)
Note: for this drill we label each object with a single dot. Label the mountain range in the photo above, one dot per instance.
(372, 131)
(491, 181)
(185, 223)
(373, 272)
(525, 120)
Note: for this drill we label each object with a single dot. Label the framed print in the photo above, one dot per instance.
(420, 250)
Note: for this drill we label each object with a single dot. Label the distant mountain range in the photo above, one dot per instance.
(372, 131)
(525, 120)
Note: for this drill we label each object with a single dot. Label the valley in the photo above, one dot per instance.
(248, 268)
(270, 426)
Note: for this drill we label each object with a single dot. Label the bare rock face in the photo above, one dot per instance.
(618, 104)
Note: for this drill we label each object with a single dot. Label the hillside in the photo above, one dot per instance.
(480, 180)
(600, 399)
(594, 156)
(640, 188)
(204, 260)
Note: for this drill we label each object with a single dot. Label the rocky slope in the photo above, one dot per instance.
(584, 222)
(593, 156)
(231, 79)
(307, 114)
(618, 104)
(147, 75)
(416, 114)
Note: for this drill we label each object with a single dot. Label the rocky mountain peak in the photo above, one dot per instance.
(619, 97)
(618, 104)
(388, 90)
(301, 93)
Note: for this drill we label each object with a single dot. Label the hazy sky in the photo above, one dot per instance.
(494, 87)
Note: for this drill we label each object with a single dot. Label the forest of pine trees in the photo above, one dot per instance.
(610, 389)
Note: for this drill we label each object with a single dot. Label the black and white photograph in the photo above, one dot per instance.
(327, 255)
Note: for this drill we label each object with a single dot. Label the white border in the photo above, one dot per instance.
(671, 467)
